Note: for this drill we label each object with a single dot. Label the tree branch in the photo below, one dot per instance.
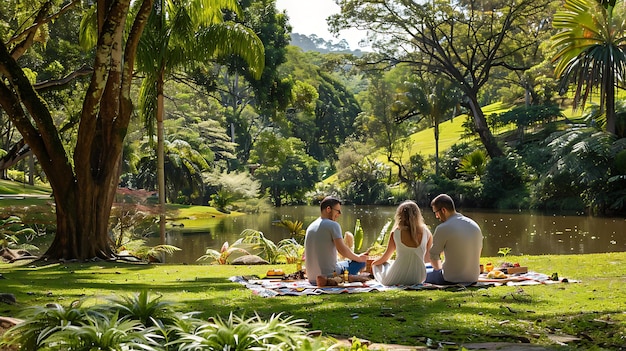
(24, 39)
(60, 83)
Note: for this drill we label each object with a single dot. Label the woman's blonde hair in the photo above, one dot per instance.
(409, 217)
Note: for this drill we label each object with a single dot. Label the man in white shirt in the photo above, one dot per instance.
(460, 240)
(322, 242)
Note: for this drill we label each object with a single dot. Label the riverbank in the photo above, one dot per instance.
(581, 315)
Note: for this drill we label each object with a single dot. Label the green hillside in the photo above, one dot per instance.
(8, 187)
(423, 142)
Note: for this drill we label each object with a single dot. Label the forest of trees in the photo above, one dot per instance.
(217, 107)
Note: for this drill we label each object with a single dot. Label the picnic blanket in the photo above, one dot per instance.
(278, 287)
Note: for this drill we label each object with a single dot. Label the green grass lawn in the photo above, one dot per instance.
(12, 188)
(592, 310)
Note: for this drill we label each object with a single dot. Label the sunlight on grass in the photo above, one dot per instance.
(11, 187)
(196, 217)
(404, 317)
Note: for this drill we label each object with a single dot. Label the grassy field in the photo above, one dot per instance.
(12, 188)
(591, 311)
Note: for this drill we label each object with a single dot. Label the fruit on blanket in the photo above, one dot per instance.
(275, 272)
(496, 275)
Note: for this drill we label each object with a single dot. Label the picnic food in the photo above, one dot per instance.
(496, 274)
(275, 272)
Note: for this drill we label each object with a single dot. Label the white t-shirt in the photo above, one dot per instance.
(460, 239)
(320, 252)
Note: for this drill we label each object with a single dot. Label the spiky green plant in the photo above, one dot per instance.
(142, 322)
(474, 164)
(41, 322)
(222, 256)
(141, 307)
(268, 249)
(139, 249)
(104, 333)
(237, 333)
(290, 250)
(504, 251)
(295, 228)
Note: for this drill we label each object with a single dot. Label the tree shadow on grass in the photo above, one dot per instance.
(401, 317)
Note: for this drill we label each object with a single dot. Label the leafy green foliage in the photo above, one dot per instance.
(503, 185)
(295, 228)
(290, 250)
(238, 333)
(140, 322)
(266, 247)
(590, 52)
(581, 167)
(222, 256)
(11, 228)
(474, 164)
(285, 170)
(363, 179)
(504, 251)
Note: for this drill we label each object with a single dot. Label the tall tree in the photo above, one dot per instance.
(285, 170)
(336, 108)
(269, 94)
(428, 96)
(180, 34)
(83, 186)
(464, 40)
(591, 51)
(378, 120)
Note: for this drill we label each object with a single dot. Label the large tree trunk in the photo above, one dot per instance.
(483, 130)
(85, 188)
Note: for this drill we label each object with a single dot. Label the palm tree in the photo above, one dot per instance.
(431, 97)
(590, 52)
(183, 167)
(474, 163)
(182, 34)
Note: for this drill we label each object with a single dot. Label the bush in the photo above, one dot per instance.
(504, 184)
(465, 193)
(140, 322)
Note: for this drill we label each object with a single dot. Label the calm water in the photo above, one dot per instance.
(524, 232)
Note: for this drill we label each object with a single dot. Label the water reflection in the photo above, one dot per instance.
(524, 232)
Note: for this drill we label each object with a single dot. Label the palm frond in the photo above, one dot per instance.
(230, 38)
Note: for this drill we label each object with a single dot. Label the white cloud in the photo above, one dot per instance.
(309, 17)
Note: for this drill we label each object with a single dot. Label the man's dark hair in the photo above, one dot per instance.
(443, 201)
(329, 201)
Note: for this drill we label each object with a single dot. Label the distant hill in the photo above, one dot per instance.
(314, 43)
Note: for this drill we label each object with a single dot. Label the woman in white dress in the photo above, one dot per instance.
(411, 240)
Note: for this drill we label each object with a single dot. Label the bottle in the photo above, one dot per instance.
(299, 265)
(489, 267)
(345, 276)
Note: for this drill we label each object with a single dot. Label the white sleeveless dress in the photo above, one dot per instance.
(408, 268)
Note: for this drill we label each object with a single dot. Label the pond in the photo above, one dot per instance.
(526, 233)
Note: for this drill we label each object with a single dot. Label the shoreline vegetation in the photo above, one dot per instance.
(588, 314)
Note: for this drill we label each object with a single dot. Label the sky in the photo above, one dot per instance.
(309, 17)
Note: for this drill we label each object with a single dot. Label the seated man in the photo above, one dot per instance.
(323, 241)
(460, 240)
